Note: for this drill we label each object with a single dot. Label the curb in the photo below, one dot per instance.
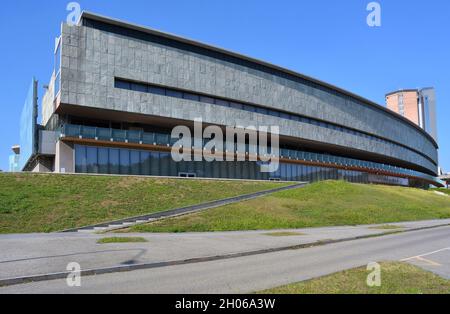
(127, 268)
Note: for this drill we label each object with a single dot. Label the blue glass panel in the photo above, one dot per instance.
(135, 160)
(145, 163)
(80, 159)
(157, 90)
(124, 161)
(190, 96)
(114, 161)
(28, 126)
(92, 162)
(103, 160)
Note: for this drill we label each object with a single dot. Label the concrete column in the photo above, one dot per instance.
(64, 159)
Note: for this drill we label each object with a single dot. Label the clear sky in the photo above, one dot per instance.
(329, 40)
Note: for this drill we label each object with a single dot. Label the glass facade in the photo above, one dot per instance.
(28, 126)
(57, 67)
(108, 160)
(164, 140)
(14, 163)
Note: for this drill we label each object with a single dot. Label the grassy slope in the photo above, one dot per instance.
(44, 203)
(328, 203)
(396, 278)
(446, 191)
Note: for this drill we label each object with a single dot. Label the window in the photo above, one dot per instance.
(103, 160)
(174, 93)
(190, 96)
(236, 105)
(57, 67)
(207, 100)
(122, 84)
(261, 110)
(284, 115)
(114, 161)
(274, 113)
(145, 163)
(135, 162)
(187, 175)
(157, 90)
(124, 161)
(80, 159)
(295, 118)
(91, 158)
(139, 88)
(223, 103)
(249, 108)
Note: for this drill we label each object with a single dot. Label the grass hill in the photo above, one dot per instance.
(45, 203)
(328, 203)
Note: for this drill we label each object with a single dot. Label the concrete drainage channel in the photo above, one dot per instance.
(133, 221)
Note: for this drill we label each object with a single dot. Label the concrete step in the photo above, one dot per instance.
(86, 231)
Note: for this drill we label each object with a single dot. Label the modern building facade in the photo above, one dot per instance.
(417, 105)
(118, 89)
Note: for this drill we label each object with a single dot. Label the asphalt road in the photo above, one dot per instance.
(254, 273)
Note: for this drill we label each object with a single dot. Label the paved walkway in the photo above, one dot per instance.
(258, 272)
(35, 254)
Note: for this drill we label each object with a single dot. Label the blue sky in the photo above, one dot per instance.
(326, 39)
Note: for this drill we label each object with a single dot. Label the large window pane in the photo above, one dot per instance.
(165, 159)
(155, 164)
(139, 87)
(157, 90)
(207, 100)
(103, 160)
(174, 93)
(114, 161)
(92, 165)
(145, 163)
(124, 161)
(135, 160)
(190, 96)
(80, 159)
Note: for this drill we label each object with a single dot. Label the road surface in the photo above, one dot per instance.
(428, 248)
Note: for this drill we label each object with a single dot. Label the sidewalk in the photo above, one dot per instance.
(36, 254)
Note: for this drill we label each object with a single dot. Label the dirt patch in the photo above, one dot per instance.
(127, 182)
(109, 203)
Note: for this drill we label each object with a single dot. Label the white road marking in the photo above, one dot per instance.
(428, 261)
(421, 257)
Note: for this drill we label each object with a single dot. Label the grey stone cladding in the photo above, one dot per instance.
(91, 59)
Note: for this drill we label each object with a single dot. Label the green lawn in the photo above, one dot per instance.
(45, 203)
(396, 278)
(446, 191)
(328, 203)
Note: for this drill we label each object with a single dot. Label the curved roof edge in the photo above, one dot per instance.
(117, 22)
